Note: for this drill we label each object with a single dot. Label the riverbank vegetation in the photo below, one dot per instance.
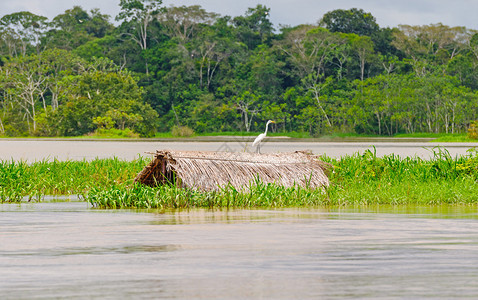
(360, 179)
(183, 69)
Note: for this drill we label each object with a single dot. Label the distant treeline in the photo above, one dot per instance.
(165, 67)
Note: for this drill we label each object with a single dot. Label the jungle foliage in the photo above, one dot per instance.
(171, 67)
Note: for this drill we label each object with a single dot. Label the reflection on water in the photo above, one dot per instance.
(301, 214)
(68, 250)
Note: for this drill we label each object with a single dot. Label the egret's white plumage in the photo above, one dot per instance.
(260, 137)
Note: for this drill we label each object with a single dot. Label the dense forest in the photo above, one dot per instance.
(183, 67)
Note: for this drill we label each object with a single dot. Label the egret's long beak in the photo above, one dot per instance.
(273, 121)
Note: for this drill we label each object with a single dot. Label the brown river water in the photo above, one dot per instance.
(40, 149)
(68, 250)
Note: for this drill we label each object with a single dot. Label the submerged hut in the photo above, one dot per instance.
(213, 170)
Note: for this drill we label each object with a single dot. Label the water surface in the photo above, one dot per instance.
(41, 149)
(69, 250)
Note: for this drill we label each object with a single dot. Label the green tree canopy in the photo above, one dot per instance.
(353, 20)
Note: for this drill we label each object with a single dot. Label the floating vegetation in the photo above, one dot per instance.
(360, 179)
(368, 179)
(171, 196)
(19, 179)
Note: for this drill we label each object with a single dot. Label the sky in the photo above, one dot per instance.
(388, 13)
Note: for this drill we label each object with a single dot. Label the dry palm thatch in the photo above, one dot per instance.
(213, 170)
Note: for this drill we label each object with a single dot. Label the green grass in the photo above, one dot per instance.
(20, 179)
(367, 179)
(236, 133)
(127, 134)
(455, 139)
(113, 134)
(360, 179)
(424, 135)
(227, 133)
(441, 137)
(339, 136)
(259, 195)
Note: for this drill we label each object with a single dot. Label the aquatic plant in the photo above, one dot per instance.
(19, 179)
(368, 179)
(359, 179)
(170, 196)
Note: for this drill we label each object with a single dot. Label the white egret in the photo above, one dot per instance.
(260, 137)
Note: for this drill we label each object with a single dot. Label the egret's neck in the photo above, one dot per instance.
(267, 126)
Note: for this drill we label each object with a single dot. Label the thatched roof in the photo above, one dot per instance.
(212, 170)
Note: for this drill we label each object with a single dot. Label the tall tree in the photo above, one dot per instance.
(75, 27)
(255, 27)
(363, 47)
(184, 22)
(472, 45)
(211, 51)
(465, 69)
(98, 24)
(22, 30)
(137, 16)
(58, 64)
(309, 49)
(353, 20)
(103, 91)
(424, 44)
(24, 78)
(248, 105)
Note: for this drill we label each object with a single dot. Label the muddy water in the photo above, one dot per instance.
(68, 250)
(38, 149)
